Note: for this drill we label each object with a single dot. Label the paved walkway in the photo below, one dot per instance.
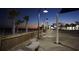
(47, 43)
(67, 43)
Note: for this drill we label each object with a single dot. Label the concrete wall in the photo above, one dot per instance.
(12, 41)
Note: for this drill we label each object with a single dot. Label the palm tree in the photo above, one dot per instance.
(42, 27)
(77, 22)
(61, 25)
(77, 25)
(66, 25)
(17, 23)
(72, 25)
(26, 18)
(13, 14)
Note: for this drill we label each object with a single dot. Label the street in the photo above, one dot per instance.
(67, 42)
(47, 42)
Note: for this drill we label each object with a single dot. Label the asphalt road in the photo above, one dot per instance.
(70, 40)
(67, 42)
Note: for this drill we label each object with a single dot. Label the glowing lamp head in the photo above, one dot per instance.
(45, 11)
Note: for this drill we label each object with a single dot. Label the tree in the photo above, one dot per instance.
(17, 23)
(77, 25)
(13, 14)
(72, 25)
(42, 26)
(61, 25)
(26, 18)
(67, 25)
(77, 22)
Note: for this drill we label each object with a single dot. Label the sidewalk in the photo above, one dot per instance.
(46, 43)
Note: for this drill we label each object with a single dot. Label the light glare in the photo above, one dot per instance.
(45, 11)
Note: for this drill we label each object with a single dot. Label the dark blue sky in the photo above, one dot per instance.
(69, 17)
(33, 14)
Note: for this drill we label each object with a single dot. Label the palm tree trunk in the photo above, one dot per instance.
(72, 27)
(26, 28)
(66, 28)
(13, 29)
(17, 29)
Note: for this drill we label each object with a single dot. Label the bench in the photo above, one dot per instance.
(34, 45)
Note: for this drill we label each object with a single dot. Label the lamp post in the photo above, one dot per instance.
(45, 11)
(57, 29)
(44, 23)
(38, 25)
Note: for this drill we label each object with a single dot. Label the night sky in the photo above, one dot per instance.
(69, 17)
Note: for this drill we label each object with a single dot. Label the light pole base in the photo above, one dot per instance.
(57, 43)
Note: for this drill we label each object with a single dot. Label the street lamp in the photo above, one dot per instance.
(57, 29)
(45, 23)
(45, 11)
(38, 25)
